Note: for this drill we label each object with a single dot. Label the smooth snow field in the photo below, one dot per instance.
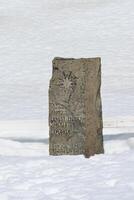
(32, 33)
(28, 173)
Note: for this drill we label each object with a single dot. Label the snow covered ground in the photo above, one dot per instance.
(27, 172)
(104, 177)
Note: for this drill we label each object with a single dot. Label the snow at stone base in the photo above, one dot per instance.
(99, 178)
(28, 173)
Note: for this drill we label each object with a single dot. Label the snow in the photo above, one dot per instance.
(78, 179)
(24, 129)
(32, 33)
(27, 172)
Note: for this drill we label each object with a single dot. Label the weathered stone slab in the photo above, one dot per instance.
(75, 111)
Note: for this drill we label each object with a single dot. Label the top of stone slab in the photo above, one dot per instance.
(61, 58)
(75, 61)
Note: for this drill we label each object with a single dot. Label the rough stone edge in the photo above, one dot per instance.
(94, 121)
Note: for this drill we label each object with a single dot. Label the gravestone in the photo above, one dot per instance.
(75, 111)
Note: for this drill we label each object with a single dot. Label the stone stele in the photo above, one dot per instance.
(75, 109)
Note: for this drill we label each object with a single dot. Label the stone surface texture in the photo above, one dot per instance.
(75, 109)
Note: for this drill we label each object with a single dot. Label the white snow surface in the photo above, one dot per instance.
(101, 177)
(27, 172)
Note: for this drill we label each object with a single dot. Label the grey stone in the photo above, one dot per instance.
(75, 110)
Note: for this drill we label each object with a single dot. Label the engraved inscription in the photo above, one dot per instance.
(67, 149)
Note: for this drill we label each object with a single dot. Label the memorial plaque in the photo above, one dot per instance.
(75, 111)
